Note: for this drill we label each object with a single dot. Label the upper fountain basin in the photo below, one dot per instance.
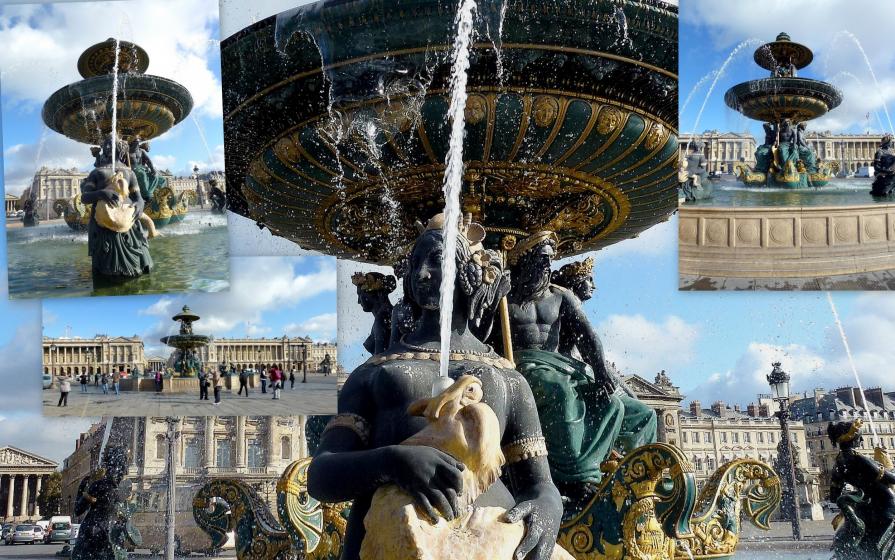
(184, 341)
(336, 121)
(147, 106)
(775, 99)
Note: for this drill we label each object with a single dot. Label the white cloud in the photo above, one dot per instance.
(319, 327)
(19, 360)
(639, 346)
(53, 150)
(53, 438)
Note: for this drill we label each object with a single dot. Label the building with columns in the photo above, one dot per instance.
(55, 184)
(72, 356)
(11, 201)
(21, 477)
(722, 149)
(252, 353)
(253, 449)
(664, 398)
(852, 151)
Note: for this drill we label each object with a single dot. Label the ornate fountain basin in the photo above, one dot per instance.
(775, 99)
(148, 106)
(336, 121)
(186, 341)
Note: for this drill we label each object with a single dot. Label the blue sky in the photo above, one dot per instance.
(42, 43)
(708, 35)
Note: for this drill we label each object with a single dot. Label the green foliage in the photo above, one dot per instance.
(50, 498)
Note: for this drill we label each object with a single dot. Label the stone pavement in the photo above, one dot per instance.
(317, 396)
(883, 280)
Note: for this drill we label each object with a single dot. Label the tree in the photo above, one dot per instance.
(50, 498)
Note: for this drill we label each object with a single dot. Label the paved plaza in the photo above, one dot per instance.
(42, 551)
(317, 396)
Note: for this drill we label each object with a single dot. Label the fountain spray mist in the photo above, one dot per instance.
(106, 433)
(115, 103)
(453, 176)
(879, 90)
(851, 362)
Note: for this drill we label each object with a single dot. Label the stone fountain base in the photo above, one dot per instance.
(179, 385)
(786, 242)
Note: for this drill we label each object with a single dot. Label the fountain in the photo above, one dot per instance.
(344, 119)
(785, 102)
(116, 94)
(185, 360)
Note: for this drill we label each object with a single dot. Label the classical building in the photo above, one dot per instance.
(852, 151)
(55, 184)
(11, 201)
(252, 449)
(251, 353)
(21, 476)
(722, 149)
(98, 354)
(663, 397)
(199, 186)
(846, 403)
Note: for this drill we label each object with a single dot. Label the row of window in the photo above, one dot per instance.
(224, 451)
(732, 437)
(708, 463)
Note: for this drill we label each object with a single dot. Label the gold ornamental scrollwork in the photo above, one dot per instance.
(546, 109)
(609, 119)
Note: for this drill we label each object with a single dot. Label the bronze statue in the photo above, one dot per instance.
(118, 233)
(404, 314)
(865, 524)
(577, 277)
(106, 532)
(373, 289)
(884, 168)
(584, 408)
(359, 451)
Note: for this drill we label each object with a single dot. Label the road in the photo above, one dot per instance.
(43, 551)
(317, 396)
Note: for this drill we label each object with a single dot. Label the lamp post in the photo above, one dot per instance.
(779, 382)
(171, 437)
(200, 196)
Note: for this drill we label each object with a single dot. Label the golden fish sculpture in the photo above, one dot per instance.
(119, 217)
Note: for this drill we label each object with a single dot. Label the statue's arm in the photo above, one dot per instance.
(527, 474)
(135, 195)
(583, 336)
(91, 193)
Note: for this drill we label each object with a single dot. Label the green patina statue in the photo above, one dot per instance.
(585, 410)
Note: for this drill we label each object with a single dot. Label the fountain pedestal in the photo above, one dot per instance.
(185, 361)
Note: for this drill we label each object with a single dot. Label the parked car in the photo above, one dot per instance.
(59, 532)
(48, 381)
(25, 534)
(5, 530)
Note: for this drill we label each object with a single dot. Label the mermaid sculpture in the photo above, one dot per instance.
(118, 233)
(106, 532)
(591, 413)
(373, 289)
(865, 524)
(360, 449)
(143, 168)
(884, 168)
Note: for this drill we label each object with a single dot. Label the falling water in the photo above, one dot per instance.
(115, 103)
(453, 177)
(845, 74)
(106, 433)
(851, 360)
(879, 90)
(730, 57)
(204, 141)
(698, 85)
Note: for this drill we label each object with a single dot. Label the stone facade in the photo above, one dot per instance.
(22, 474)
(817, 410)
(852, 151)
(55, 184)
(252, 353)
(101, 353)
(784, 242)
(722, 149)
(664, 398)
(255, 450)
(11, 201)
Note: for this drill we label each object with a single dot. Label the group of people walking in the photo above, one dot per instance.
(273, 378)
(100, 379)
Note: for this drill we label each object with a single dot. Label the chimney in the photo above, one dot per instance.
(695, 408)
(875, 396)
(736, 408)
(752, 410)
(846, 395)
(764, 411)
(719, 408)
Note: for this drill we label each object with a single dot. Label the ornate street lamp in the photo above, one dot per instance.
(200, 196)
(779, 382)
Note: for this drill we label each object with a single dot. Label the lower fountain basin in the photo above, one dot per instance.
(775, 99)
(186, 341)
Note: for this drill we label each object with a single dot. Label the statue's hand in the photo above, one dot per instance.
(431, 477)
(542, 515)
(109, 196)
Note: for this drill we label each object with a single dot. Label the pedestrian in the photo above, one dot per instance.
(203, 385)
(64, 389)
(263, 380)
(243, 381)
(292, 378)
(158, 382)
(116, 381)
(83, 382)
(104, 380)
(218, 382)
(96, 379)
(275, 381)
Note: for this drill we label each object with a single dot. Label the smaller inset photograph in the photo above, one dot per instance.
(267, 347)
(113, 153)
(787, 163)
